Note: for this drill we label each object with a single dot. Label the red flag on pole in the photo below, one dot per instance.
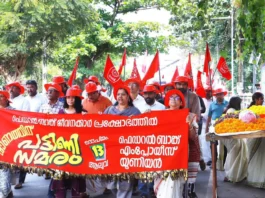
(111, 74)
(73, 74)
(175, 75)
(144, 63)
(200, 89)
(209, 78)
(154, 67)
(135, 74)
(188, 73)
(223, 68)
(207, 60)
(123, 62)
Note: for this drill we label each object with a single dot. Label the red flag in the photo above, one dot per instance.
(188, 70)
(73, 74)
(209, 78)
(163, 76)
(111, 74)
(223, 68)
(207, 60)
(123, 62)
(188, 73)
(154, 67)
(175, 75)
(144, 63)
(135, 74)
(200, 89)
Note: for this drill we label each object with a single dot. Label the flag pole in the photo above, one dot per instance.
(159, 74)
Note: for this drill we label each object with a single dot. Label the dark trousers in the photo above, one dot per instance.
(22, 176)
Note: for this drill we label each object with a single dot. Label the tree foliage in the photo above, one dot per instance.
(26, 24)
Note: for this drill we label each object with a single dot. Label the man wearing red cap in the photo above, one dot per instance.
(54, 92)
(95, 80)
(206, 151)
(138, 101)
(19, 102)
(215, 111)
(149, 93)
(95, 102)
(61, 81)
(191, 99)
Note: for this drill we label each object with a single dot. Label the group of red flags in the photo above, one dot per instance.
(114, 77)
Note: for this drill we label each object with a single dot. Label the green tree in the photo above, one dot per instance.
(26, 25)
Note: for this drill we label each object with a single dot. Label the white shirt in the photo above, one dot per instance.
(207, 104)
(155, 107)
(139, 103)
(20, 103)
(36, 102)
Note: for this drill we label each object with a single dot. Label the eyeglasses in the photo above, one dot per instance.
(174, 98)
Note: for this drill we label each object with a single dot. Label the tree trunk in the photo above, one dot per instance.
(13, 68)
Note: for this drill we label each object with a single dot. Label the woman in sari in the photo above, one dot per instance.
(72, 105)
(174, 100)
(256, 157)
(236, 160)
(5, 172)
(123, 106)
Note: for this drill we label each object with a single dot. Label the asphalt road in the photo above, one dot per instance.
(36, 187)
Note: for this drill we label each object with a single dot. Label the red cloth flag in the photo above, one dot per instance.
(207, 60)
(111, 74)
(135, 74)
(200, 89)
(223, 68)
(175, 75)
(73, 74)
(154, 67)
(209, 78)
(188, 73)
(123, 62)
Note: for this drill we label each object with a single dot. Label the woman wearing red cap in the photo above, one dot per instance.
(174, 100)
(123, 106)
(5, 173)
(72, 105)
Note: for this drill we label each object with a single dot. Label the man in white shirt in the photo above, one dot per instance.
(35, 99)
(206, 151)
(138, 101)
(150, 93)
(19, 102)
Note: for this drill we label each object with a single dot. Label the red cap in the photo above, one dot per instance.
(54, 86)
(149, 88)
(132, 80)
(91, 87)
(93, 79)
(6, 94)
(74, 92)
(174, 92)
(17, 84)
(218, 91)
(117, 88)
(156, 84)
(181, 79)
(58, 79)
(166, 85)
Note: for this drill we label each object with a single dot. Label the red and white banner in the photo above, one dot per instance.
(95, 144)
